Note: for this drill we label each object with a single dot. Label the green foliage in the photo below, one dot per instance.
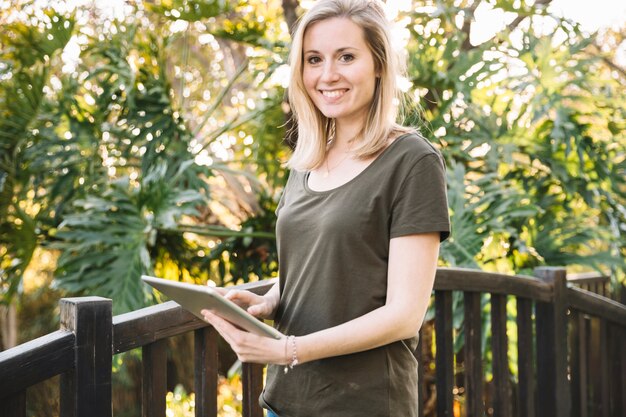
(249, 255)
(190, 10)
(160, 151)
(25, 59)
(111, 163)
(106, 244)
(534, 155)
(532, 127)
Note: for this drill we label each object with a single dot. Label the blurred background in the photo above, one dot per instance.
(148, 137)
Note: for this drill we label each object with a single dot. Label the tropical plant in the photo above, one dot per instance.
(127, 147)
(26, 61)
(534, 139)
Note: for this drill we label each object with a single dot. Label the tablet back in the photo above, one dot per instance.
(195, 298)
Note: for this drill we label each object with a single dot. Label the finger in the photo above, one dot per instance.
(257, 310)
(223, 327)
(233, 295)
(219, 290)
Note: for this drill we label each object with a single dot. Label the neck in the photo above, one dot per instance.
(345, 133)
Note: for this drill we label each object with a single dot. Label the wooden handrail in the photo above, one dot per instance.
(470, 280)
(597, 305)
(35, 361)
(587, 278)
(141, 327)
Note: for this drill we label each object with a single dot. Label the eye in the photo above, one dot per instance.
(346, 58)
(313, 59)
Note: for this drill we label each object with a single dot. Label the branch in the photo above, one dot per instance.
(467, 25)
(510, 27)
(515, 23)
(608, 61)
(291, 17)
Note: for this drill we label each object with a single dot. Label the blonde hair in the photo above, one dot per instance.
(315, 129)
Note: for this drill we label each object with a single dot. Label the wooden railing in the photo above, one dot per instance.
(570, 346)
(593, 282)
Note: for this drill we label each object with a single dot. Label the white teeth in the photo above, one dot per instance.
(334, 93)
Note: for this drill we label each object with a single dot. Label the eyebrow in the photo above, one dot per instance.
(345, 48)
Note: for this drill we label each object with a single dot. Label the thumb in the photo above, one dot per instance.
(255, 310)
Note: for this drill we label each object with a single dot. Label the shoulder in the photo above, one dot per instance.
(414, 149)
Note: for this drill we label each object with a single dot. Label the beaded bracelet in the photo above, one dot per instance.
(294, 353)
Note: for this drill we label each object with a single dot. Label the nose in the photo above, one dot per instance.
(329, 72)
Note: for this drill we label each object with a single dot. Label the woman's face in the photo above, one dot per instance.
(338, 70)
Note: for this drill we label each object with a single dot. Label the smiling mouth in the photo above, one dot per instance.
(333, 93)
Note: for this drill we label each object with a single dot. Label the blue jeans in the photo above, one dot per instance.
(270, 413)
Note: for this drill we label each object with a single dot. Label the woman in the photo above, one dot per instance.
(358, 230)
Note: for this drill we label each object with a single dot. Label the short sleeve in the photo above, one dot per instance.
(281, 201)
(421, 204)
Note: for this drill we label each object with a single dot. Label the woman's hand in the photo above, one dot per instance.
(249, 347)
(260, 306)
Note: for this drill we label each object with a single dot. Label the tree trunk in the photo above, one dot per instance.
(291, 17)
(8, 326)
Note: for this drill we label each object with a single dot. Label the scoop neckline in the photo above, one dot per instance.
(357, 176)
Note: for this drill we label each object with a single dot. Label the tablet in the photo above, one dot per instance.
(195, 298)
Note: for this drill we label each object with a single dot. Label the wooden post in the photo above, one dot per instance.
(553, 389)
(444, 360)
(473, 360)
(154, 379)
(252, 381)
(86, 390)
(205, 369)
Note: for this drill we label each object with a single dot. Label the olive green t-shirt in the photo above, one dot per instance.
(333, 249)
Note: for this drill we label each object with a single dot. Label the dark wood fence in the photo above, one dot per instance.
(570, 347)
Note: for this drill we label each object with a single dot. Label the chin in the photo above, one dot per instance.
(331, 113)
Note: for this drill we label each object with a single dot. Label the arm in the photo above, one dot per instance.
(411, 273)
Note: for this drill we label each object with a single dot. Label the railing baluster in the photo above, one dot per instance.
(252, 381)
(604, 370)
(205, 368)
(578, 365)
(444, 360)
(500, 361)
(473, 355)
(614, 366)
(154, 382)
(594, 369)
(14, 405)
(583, 344)
(619, 370)
(619, 292)
(525, 362)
